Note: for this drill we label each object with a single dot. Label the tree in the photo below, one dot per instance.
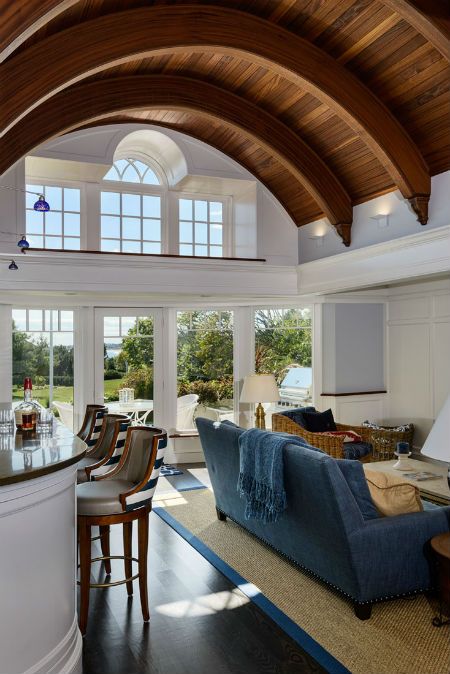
(137, 346)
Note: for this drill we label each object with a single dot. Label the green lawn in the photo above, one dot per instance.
(62, 394)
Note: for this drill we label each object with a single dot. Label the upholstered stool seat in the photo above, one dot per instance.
(81, 468)
(101, 498)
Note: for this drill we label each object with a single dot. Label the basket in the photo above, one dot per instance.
(384, 441)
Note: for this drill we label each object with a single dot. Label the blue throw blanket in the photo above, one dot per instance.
(261, 479)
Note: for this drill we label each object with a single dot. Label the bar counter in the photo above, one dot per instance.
(25, 455)
(38, 615)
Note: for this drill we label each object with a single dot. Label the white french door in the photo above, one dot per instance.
(129, 354)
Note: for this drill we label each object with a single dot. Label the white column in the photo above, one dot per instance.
(243, 360)
(317, 354)
(90, 226)
(84, 360)
(5, 353)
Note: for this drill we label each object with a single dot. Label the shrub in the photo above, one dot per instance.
(141, 380)
(209, 392)
(113, 374)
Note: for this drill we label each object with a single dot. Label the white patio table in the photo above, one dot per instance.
(138, 409)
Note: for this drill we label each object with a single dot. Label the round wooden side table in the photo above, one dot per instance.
(441, 550)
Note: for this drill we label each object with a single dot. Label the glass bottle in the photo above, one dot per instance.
(28, 412)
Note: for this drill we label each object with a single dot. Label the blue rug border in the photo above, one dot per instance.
(302, 638)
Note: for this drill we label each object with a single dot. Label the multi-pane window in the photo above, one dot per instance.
(283, 347)
(128, 356)
(42, 342)
(132, 171)
(205, 364)
(60, 226)
(130, 222)
(200, 228)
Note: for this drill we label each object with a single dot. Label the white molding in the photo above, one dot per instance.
(410, 257)
(87, 272)
(65, 658)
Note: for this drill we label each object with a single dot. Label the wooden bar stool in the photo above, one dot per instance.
(92, 424)
(120, 496)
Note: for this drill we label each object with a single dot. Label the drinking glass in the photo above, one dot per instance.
(6, 421)
(45, 422)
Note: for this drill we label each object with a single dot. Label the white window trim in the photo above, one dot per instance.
(61, 182)
(142, 190)
(227, 232)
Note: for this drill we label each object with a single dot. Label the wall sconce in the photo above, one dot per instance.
(382, 219)
(318, 238)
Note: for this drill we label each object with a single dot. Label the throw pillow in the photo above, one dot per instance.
(353, 473)
(348, 436)
(319, 422)
(296, 415)
(393, 495)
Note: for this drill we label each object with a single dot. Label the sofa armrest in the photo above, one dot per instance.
(332, 445)
(393, 552)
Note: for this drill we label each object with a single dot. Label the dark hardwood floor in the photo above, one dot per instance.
(192, 629)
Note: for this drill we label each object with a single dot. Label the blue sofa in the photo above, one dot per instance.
(330, 526)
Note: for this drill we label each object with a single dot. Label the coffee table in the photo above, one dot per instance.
(435, 490)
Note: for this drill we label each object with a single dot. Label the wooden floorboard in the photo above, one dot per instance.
(192, 629)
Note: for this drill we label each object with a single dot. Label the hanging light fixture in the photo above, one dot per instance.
(23, 244)
(40, 204)
(13, 266)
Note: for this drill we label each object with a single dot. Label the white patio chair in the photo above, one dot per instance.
(65, 411)
(186, 406)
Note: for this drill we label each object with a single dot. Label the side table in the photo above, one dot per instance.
(441, 550)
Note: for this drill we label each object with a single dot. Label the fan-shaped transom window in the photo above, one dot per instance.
(132, 171)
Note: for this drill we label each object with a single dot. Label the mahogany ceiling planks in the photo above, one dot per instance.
(396, 49)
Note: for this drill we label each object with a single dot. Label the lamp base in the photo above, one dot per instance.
(260, 417)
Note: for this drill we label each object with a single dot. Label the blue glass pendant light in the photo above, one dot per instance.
(23, 244)
(13, 266)
(41, 204)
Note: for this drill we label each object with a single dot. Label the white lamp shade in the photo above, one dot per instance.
(259, 388)
(437, 444)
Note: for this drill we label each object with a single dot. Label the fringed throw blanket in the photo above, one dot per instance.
(261, 480)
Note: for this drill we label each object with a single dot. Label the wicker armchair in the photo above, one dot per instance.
(332, 445)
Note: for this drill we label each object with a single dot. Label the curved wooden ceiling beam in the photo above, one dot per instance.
(64, 58)
(431, 18)
(21, 18)
(84, 102)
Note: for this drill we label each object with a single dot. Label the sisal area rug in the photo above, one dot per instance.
(398, 639)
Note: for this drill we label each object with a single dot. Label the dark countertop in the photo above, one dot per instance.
(25, 456)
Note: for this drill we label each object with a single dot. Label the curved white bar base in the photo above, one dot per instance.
(39, 632)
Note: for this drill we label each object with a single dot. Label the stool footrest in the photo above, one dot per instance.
(116, 582)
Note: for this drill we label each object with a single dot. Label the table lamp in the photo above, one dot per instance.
(259, 388)
(437, 444)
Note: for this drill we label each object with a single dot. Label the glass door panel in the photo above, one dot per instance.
(125, 372)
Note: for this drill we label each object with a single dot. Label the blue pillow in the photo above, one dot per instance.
(296, 415)
(353, 473)
(319, 422)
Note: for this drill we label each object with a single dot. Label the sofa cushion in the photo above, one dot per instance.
(353, 473)
(319, 422)
(357, 450)
(393, 495)
(296, 415)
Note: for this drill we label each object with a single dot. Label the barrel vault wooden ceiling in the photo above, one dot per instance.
(328, 102)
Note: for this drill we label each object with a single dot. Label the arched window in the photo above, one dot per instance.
(132, 171)
(131, 217)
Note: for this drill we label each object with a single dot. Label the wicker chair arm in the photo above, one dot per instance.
(363, 431)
